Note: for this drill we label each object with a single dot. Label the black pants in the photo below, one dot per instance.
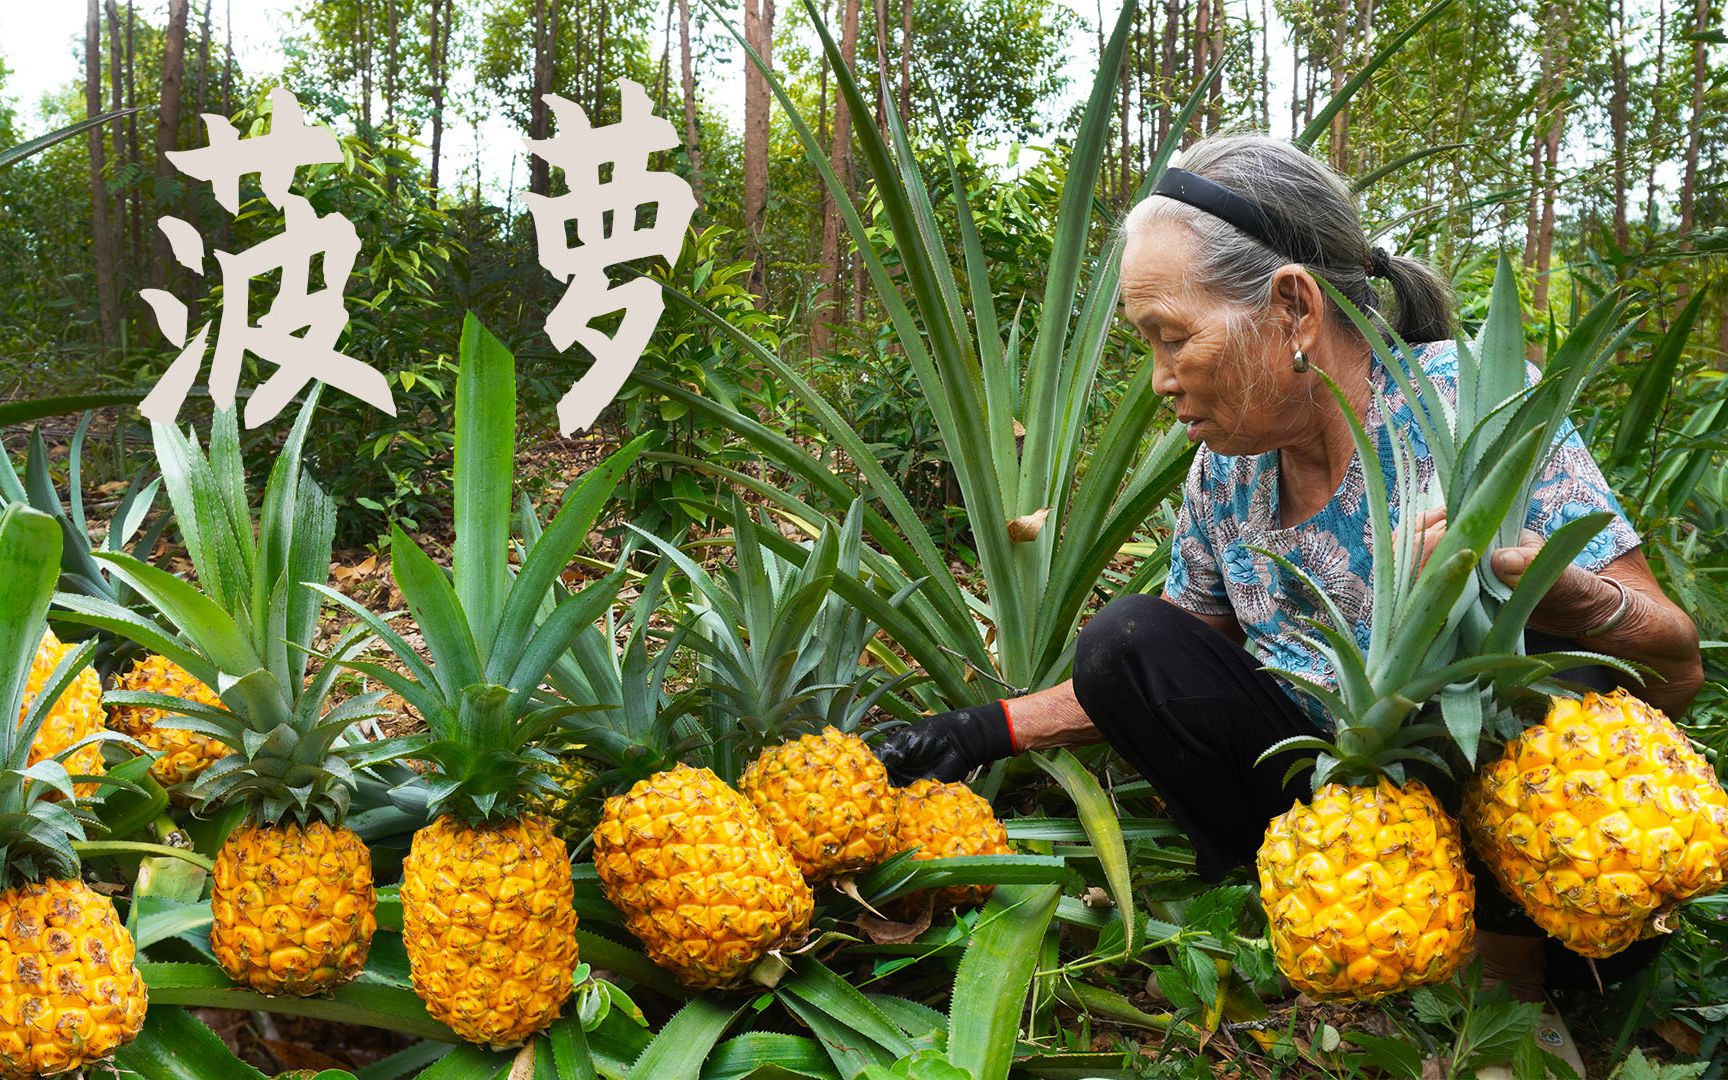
(1192, 711)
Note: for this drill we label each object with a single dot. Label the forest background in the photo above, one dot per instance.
(1590, 139)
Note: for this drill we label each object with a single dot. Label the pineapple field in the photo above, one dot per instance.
(735, 737)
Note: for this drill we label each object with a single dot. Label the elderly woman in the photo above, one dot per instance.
(1219, 273)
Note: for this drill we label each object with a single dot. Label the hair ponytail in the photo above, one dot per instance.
(1421, 299)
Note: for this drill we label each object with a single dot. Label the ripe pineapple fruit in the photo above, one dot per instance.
(1366, 891)
(827, 800)
(489, 924)
(700, 878)
(293, 906)
(75, 716)
(487, 896)
(1599, 820)
(943, 821)
(292, 897)
(70, 994)
(570, 809)
(181, 754)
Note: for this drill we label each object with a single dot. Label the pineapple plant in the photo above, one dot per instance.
(700, 879)
(70, 992)
(292, 895)
(572, 809)
(488, 917)
(1595, 815)
(128, 529)
(780, 655)
(72, 719)
(180, 755)
(934, 820)
(1364, 885)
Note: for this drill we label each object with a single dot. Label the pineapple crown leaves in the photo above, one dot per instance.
(492, 643)
(246, 628)
(639, 728)
(37, 832)
(79, 570)
(780, 647)
(1450, 629)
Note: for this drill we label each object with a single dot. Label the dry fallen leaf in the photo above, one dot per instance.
(1026, 527)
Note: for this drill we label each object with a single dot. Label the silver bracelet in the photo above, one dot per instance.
(1619, 615)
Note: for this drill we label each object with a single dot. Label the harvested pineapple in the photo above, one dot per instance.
(488, 915)
(180, 754)
(934, 820)
(292, 896)
(827, 800)
(700, 879)
(70, 993)
(1599, 820)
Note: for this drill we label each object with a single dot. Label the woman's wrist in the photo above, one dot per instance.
(1592, 609)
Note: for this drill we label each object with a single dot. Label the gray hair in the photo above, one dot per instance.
(1316, 203)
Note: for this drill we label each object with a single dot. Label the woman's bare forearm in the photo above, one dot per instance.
(1050, 718)
(1655, 632)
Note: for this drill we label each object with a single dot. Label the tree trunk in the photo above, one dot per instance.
(759, 34)
(1617, 120)
(539, 173)
(99, 239)
(363, 42)
(692, 143)
(840, 157)
(228, 62)
(1202, 44)
(438, 65)
(1553, 58)
(136, 192)
(116, 238)
(391, 85)
(1265, 67)
(906, 62)
(1695, 124)
(1340, 140)
(665, 62)
(1215, 53)
(168, 124)
(204, 61)
(1167, 81)
(1656, 95)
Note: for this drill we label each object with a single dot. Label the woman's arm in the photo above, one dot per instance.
(1655, 632)
(1053, 717)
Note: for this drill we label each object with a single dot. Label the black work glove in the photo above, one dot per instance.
(948, 745)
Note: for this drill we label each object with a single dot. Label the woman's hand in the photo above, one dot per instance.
(1654, 631)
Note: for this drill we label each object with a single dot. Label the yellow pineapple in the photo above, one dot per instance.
(180, 754)
(700, 878)
(828, 801)
(570, 809)
(77, 715)
(1599, 820)
(294, 908)
(1366, 891)
(70, 993)
(944, 821)
(490, 927)
(293, 896)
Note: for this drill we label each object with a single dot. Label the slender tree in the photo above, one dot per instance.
(759, 34)
(840, 157)
(1617, 109)
(692, 142)
(1695, 118)
(1657, 99)
(906, 61)
(539, 117)
(168, 124)
(204, 60)
(100, 241)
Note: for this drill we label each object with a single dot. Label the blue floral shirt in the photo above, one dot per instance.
(1230, 507)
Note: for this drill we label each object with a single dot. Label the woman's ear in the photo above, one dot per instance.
(1298, 305)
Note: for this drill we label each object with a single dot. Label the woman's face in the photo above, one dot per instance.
(1232, 390)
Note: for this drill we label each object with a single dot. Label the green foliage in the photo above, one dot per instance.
(247, 628)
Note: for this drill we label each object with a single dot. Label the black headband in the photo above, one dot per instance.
(1251, 218)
